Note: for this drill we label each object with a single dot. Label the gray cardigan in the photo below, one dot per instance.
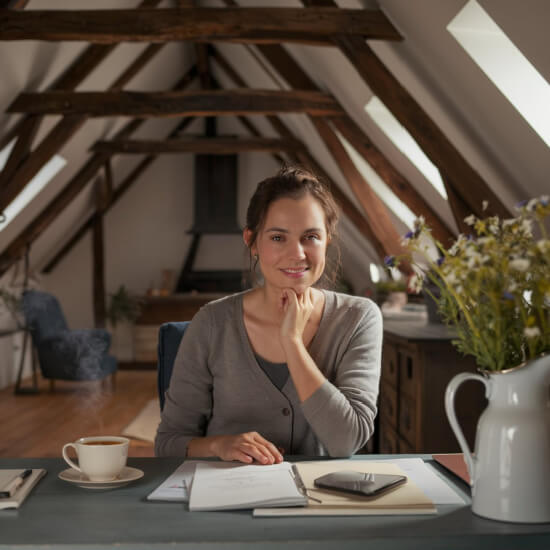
(217, 386)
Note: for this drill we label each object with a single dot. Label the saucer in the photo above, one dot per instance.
(126, 476)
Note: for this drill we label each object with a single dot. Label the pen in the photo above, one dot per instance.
(14, 484)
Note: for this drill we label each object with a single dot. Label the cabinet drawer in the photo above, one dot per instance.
(389, 365)
(388, 438)
(388, 403)
(407, 420)
(410, 373)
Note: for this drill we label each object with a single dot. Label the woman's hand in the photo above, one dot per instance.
(297, 310)
(245, 447)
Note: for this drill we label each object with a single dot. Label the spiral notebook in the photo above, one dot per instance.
(7, 476)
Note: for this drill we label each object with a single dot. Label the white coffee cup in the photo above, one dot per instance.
(100, 458)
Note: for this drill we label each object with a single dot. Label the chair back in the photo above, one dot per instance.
(170, 335)
(43, 315)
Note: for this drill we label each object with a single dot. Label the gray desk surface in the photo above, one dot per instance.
(59, 515)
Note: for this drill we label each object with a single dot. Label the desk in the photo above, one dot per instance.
(57, 514)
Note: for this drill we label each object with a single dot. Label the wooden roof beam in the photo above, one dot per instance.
(113, 198)
(14, 180)
(393, 179)
(26, 128)
(244, 25)
(176, 104)
(385, 234)
(285, 65)
(48, 214)
(452, 165)
(204, 145)
(304, 157)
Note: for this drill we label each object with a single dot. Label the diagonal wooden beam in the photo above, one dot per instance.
(25, 129)
(48, 214)
(468, 183)
(210, 146)
(393, 179)
(11, 183)
(253, 25)
(285, 65)
(375, 210)
(304, 157)
(114, 197)
(176, 104)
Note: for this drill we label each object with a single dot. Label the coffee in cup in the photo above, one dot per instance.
(100, 458)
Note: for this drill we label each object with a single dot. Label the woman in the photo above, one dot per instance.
(285, 367)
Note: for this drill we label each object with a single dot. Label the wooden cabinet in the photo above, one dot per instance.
(418, 360)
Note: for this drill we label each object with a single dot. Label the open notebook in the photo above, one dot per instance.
(227, 486)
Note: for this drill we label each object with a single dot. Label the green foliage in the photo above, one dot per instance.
(123, 306)
(494, 285)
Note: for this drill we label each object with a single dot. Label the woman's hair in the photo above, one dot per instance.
(293, 182)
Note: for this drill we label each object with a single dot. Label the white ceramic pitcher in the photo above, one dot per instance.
(510, 468)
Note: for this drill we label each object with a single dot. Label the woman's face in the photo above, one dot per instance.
(292, 243)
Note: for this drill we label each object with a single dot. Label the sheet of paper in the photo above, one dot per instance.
(427, 479)
(176, 486)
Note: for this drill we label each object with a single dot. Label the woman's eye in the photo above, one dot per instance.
(276, 238)
(312, 237)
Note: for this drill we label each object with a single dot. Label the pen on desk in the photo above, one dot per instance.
(14, 484)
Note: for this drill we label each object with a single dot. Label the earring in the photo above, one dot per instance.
(256, 257)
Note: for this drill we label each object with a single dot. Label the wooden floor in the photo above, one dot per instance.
(39, 425)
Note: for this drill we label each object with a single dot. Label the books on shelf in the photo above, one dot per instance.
(22, 490)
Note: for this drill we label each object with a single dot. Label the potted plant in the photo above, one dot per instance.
(123, 309)
(494, 291)
(385, 289)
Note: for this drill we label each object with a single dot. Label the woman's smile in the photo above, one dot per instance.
(295, 272)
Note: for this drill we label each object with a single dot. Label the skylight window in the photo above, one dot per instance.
(398, 207)
(505, 65)
(46, 173)
(405, 143)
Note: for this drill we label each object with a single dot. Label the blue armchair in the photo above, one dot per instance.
(65, 354)
(170, 335)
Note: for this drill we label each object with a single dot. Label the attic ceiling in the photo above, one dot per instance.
(295, 82)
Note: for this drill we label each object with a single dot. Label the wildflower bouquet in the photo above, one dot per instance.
(494, 285)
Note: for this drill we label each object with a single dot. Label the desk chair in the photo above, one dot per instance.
(170, 335)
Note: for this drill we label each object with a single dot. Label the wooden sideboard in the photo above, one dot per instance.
(418, 361)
